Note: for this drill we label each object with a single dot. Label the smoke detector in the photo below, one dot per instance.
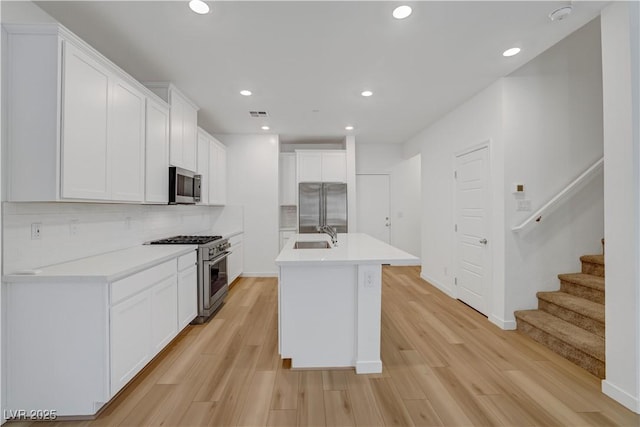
(561, 13)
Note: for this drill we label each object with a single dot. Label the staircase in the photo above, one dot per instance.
(571, 321)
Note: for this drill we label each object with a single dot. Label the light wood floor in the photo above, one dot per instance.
(444, 365)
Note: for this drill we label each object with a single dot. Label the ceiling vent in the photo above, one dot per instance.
(258, 113)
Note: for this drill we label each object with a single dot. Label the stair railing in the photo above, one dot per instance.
(559, 198)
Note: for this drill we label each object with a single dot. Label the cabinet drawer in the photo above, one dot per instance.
(235, 239)
(188, 260)
(135, 283)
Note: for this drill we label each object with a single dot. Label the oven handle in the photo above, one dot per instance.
(219, 258)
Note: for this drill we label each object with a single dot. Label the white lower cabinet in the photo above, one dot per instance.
(187, 290)
(144, 319)
(130, 339)
(164, 313)
(97, 335)
(235, 261)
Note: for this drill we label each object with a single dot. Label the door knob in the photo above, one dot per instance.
(484, 241)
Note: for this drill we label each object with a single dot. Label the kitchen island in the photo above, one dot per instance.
(329, 300)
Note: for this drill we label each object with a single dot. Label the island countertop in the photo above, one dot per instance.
(352, 248)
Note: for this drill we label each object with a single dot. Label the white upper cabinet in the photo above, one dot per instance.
(217, 173)
(77, 128)
(127, 143)
(184, 125)
(85, 126)
(322, 165)
(334, 166)
(309, 166)
(288, 187)
(203, 165)
(212, 165)
(157, 153)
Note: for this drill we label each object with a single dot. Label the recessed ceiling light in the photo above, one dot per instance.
(511, 52)
(199, 7)
(265, 128)
(348, 128)
(366, 93)
(245, 92)
(402, 12)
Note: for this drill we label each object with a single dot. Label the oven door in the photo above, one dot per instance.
(215, 286)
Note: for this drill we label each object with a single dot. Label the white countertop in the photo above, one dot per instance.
(106, 267)
(352, 248)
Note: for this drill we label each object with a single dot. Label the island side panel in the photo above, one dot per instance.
(369, 319)
(318, 315)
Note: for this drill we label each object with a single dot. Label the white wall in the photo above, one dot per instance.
(544, 127)
(406, 205)
(252, 182)
(404, 175)
(622, 232)
(552, 127)
(2, 135)
(377, 158)
(474, 122)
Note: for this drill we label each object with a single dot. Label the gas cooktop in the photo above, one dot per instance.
(186, 240)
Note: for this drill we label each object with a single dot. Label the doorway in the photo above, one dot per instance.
(473, 260)
(373, 217)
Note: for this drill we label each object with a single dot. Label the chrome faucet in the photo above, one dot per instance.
(331, 232)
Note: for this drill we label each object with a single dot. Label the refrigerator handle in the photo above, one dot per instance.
(323, 205)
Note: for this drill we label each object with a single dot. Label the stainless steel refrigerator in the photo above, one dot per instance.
(322, 203)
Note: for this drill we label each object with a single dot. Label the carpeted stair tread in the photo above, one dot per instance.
(593, 259)
(586, 280)
(576, 337)
(593, 264)
(582, 306)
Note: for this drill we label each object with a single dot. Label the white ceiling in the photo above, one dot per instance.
(307, 62)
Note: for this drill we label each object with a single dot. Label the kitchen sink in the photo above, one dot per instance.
(318, 244)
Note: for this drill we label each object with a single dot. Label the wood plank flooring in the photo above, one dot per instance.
(444, 365)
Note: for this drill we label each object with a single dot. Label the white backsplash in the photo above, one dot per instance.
(76, 230)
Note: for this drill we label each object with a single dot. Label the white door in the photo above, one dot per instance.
(372, 194)
(472, 225)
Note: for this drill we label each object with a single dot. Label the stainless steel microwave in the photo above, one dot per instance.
(184, 186)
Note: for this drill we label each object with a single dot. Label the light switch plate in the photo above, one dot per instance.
(524, 205)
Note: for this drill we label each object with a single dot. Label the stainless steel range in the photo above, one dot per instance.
(212, 270)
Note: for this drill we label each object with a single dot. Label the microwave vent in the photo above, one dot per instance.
(258, 114)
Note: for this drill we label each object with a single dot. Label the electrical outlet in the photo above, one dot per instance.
(368, 280)
(73, 227)
(36, 230)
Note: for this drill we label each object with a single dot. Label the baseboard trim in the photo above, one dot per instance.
(265, 274)
(446, 289)
(622, 397)
(507, 325)
(369, 367)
